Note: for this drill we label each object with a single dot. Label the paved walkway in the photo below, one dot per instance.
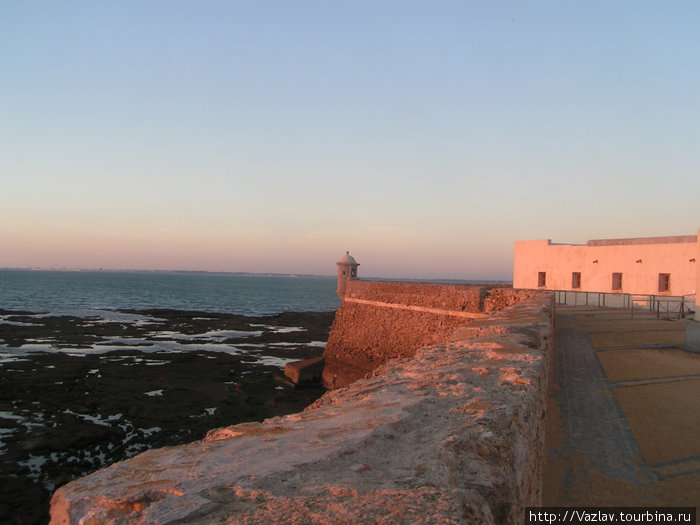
(623, 424)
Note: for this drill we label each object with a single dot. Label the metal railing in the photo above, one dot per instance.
(665, 306)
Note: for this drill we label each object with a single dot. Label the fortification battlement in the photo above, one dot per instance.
(382, 320)
(455, 433)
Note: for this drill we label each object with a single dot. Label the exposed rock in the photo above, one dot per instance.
(66, 414)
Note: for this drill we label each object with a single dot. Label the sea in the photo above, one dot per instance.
(100, 399)
(101, 293)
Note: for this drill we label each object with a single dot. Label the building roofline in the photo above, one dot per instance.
(676, 239)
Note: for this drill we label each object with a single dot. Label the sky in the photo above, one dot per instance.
(273, 136)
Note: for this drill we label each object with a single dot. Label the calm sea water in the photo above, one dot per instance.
(96, 293)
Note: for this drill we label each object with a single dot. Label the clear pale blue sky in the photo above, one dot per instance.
(424, 137)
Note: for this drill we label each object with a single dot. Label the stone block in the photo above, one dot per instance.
(306, 371)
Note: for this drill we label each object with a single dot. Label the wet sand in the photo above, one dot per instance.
(119, 387)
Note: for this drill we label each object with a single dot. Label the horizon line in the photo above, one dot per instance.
(249, 274)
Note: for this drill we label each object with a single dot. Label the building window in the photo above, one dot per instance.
(542, 279)
(664, 282)
(575, 280)
(617, 281)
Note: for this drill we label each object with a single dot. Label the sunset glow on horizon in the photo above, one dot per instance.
(425, 138)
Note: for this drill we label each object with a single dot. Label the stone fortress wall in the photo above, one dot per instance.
(448, 426)
(380, 320)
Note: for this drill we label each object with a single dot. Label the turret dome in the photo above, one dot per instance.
(348, 259)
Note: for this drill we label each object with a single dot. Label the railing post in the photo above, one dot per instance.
(630, 302)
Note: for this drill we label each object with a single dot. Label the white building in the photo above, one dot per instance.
(643, 266)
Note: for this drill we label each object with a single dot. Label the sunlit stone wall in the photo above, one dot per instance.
(453, 434)
(379, 320)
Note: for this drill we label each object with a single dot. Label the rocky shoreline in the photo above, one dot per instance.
(81, 393)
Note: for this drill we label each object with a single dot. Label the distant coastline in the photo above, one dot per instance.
(176, 272)
(497, 282)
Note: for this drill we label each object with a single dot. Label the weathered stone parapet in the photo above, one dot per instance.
(451, 435)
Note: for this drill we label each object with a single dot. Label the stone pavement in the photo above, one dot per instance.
(623, 424)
